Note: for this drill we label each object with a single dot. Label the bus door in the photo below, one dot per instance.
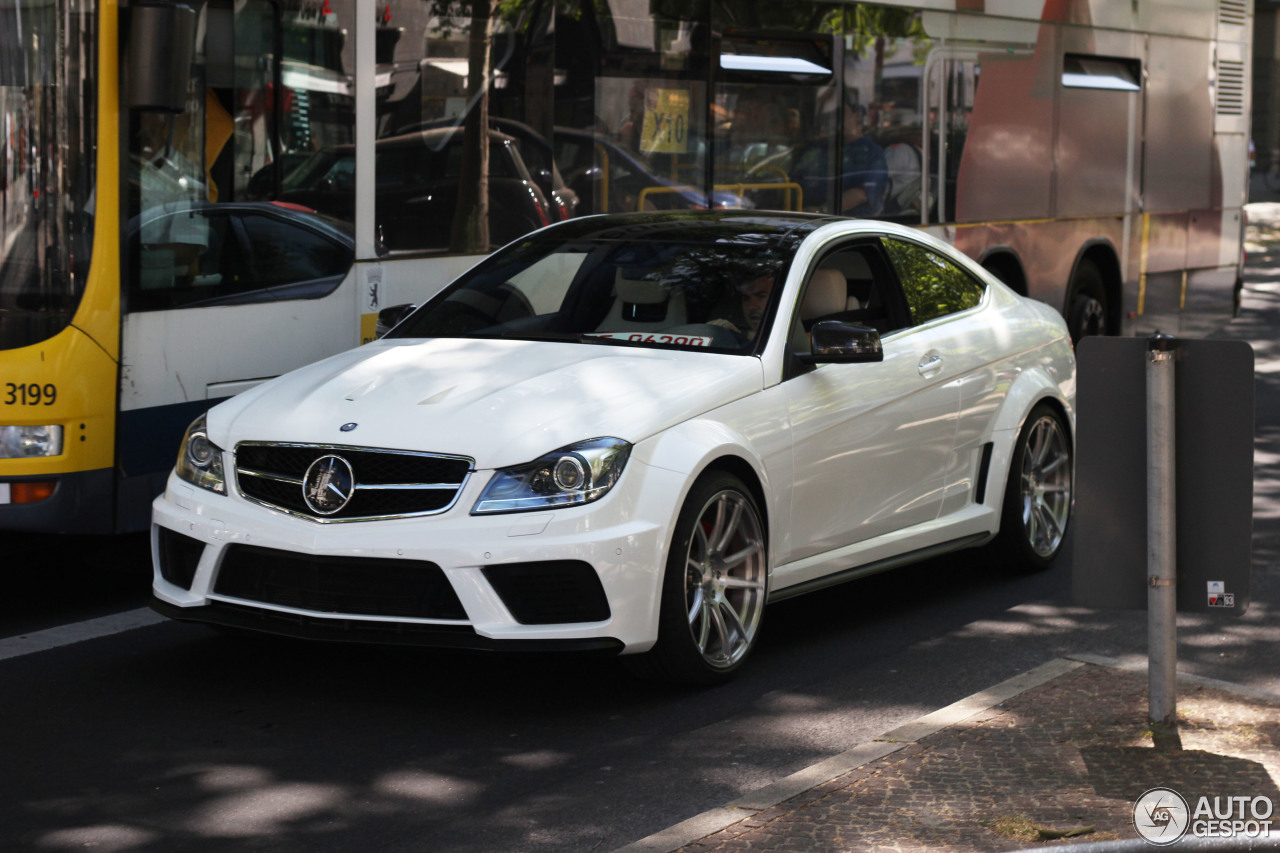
(951, 82)
(222, 287)
(775, 130)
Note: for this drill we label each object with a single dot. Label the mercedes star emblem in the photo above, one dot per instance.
(328, 485)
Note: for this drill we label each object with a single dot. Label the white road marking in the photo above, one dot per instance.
(78, 632)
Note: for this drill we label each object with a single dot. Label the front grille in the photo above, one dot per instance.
(355, 586)
(388, 483)
(555, 592)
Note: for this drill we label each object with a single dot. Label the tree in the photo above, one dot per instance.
(470, 234)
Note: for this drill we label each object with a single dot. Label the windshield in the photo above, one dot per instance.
(47, 106)
(707, 291)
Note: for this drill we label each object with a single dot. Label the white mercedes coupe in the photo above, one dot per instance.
(631, 433)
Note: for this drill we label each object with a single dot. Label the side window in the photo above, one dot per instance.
(859, 289)
(184, 255)
(283, 253)
(934, 287)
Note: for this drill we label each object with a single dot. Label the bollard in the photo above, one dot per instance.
(1162, 625)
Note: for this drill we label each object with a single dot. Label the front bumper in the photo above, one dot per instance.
(312, 580)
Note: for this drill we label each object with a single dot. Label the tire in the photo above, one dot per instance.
(711, 607)
(1087, 308)
(1039, 494)
(1007, 270)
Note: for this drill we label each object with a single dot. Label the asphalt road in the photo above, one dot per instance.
(172, 737)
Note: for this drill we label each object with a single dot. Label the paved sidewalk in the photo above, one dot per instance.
(1064, 748)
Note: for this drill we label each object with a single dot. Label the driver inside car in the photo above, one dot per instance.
(754, 299)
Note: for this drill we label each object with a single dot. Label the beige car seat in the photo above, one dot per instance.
(641, 305)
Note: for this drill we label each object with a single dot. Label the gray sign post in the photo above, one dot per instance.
(1154, 415)
(1162, 543)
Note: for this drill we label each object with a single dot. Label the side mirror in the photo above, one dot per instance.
(834, 342)
(389, 318)
(161, 44)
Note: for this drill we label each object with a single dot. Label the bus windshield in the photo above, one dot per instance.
(47, 112)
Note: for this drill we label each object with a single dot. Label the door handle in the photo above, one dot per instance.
(930, 364)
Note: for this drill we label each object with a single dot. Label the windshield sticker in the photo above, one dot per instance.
(656, 338)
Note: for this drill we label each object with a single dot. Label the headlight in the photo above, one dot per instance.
(577, 474)
(24, 442)
(200, 460)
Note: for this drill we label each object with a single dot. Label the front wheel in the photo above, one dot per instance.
(714, 586)
(1038, 496)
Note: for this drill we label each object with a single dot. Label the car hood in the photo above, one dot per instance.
(499, 402)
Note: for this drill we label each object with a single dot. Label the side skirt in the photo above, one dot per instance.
(878, 566)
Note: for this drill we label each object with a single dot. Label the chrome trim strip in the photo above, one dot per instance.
(426, 487)
(359, 448)
(249, 472)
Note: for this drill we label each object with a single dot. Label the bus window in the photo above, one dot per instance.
(47, 115)
(244, 114)
(772, 136)
(283, 252)
(236, 252)
(952, 89)
(865, 154)
(631, 112)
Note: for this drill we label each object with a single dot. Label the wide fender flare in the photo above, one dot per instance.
(1029, 389)
(692, 448)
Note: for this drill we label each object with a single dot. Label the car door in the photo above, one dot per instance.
(871, 441)
(943, 297)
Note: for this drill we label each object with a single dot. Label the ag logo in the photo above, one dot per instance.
(328, 485)
(1161, 816)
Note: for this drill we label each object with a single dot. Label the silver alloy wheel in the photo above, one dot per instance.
(1046, 485)
(725, 578)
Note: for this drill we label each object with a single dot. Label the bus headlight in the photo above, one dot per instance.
(577, 474)
(200, 460)
(24, 442)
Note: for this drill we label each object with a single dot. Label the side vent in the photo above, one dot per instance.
(1231, 79)
(1234, 13)
(984, 469)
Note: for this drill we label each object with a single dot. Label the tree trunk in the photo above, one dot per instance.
(470, 232)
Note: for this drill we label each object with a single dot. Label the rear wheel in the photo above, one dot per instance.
(1038, 496)
(714, 587)
(1087, 309)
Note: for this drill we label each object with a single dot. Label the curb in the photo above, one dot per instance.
(700, 826)
(1138, 663)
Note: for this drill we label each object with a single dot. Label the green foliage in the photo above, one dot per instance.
(933, 286)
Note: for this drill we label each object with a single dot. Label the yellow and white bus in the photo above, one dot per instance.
(195, 197)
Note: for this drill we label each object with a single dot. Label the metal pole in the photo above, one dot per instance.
(1162, 625)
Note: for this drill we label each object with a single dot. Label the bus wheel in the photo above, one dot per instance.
(1087, 308)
